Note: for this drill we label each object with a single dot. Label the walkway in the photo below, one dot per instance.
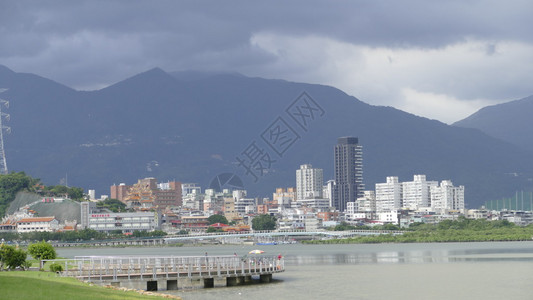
(171, 272)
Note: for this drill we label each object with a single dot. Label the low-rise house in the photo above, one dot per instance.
(103, 220)
(8, 225)
(126, 222)
(37, 224)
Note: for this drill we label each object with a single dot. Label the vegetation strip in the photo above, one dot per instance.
(461, 230)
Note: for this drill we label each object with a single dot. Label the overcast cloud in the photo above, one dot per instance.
(438, 59)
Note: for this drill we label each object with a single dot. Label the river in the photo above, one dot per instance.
(499, 270)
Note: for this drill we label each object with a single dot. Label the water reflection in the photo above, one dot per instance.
(412, 256)
(299, 254)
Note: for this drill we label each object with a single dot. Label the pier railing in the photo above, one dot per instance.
(117, 268)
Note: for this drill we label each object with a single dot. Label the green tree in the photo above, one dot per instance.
(264, 222)
(142, 233)
(217, 219)
(11, 257)
(213, 229)
(391, 227)
(17, 259)
(157, 233)
(75, 193)
(42, 250)
(343, 226)
(5, 252)
(57, 190)
(113, 205)
(88, 234)
(10, 185)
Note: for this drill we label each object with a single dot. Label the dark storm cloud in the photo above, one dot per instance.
(90, 44)
(192, 26)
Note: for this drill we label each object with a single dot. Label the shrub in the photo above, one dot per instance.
(55, 267)
(26, 265)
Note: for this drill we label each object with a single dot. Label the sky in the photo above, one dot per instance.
(442, 60)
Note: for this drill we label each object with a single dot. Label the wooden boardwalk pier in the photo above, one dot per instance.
(154, 273)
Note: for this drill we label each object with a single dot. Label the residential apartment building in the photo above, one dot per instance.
(416, 194)
(245, 206)
(284, 197)
(348, 161)
(230, 212)
(328, 191)
(120, 192)
(419, 195)
(320, 204)
(367, 203)
(190, 188)
(446, 197)
(309, 182)
(389, 195)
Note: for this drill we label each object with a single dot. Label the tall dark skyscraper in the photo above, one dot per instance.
(348, 172)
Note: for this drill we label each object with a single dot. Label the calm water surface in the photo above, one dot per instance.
(384, 271)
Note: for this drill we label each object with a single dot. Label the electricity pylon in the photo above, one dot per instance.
(3, 163)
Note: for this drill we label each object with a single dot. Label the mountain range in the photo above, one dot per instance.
(510, 122)
(194, 126)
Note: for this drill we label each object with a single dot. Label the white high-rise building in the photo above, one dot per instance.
(447, 197)
(416, 193)
(328, 191)
(309, 182)
(389, 195)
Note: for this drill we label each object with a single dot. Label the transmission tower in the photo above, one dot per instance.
(3, 163)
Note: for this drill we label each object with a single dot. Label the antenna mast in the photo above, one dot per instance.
(3, 163)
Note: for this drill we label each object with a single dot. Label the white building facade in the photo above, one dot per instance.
(447, 197)
(309, 182)
(245, 206)
(126, 222)
(316, 203)
(367, 203)
(42, 224)
(327, 191)
(389, 195)
(417, 193)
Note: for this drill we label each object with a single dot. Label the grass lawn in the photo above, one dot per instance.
(47, 285)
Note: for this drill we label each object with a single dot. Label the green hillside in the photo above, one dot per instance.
(65, 210)
(22, 198)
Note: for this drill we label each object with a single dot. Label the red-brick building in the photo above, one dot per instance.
(120, 192)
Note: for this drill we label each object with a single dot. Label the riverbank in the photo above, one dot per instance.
(447, 231)
(46, 285)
